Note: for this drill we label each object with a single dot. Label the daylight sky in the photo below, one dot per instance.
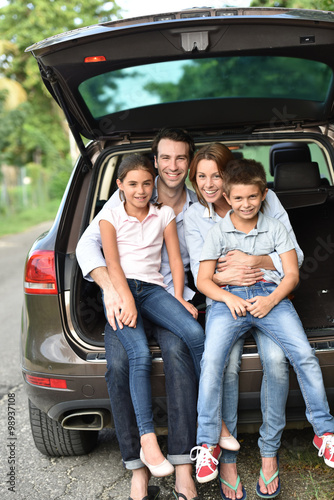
(133, 8)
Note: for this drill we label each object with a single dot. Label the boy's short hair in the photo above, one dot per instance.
(244, 171)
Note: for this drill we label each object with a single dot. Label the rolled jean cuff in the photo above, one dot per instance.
(228, 457)
(133, 464)
(180, 459)
(268, 454)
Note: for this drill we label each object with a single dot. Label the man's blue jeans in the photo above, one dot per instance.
(181, 389)
(284, 327)
(158, 306)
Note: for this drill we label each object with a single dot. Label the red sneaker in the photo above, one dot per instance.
(207, 459)
(325, 445)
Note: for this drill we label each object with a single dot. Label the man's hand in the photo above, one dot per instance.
(113, 304)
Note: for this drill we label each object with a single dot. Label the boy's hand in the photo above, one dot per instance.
(236, 305)
(260, 306)
(190, 307)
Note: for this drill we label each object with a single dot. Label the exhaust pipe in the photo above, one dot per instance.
(86, 420)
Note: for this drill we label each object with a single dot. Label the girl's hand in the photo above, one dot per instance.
(128, 313)
(236, 305)
(260, 306)
(190, 307)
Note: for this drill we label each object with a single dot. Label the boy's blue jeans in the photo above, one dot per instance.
(158, 306)
(282, 325)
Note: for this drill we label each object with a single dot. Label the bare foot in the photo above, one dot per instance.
(269, 467)
(184, 482)
(139, 483)
(229, 473)
(151, 449)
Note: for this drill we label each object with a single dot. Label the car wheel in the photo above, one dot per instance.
(53, 440)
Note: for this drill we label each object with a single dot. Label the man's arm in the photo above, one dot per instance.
(89, 249)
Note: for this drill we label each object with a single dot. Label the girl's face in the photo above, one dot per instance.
(209, 181)
(137, 187)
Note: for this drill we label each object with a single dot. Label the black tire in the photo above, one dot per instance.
(53, 440)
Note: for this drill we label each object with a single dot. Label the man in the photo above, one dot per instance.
(173, 150)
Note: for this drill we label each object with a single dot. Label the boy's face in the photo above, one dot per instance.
(246, 200)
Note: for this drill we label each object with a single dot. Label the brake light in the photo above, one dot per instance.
(55, 383)
(93, 59)
(40, 273)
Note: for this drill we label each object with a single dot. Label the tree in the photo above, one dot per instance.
(41, 124)
(295, 4)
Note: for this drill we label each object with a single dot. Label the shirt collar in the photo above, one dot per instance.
(261, 226)
(153, 210)
(209, 212)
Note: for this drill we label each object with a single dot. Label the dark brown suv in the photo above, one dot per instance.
(258, 80)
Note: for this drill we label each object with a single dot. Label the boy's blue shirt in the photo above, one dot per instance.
(269, 235)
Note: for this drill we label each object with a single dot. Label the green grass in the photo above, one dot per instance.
(21, 221)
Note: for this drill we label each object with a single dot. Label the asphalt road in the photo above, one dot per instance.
(25, 474)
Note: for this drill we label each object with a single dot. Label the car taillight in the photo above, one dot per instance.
(40, 273)
(55, 383)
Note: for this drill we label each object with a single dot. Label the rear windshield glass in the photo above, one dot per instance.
(172, 81)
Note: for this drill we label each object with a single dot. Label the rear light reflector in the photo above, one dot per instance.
(40, 273)
(55, 383)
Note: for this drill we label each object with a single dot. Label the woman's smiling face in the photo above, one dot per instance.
(209, 181)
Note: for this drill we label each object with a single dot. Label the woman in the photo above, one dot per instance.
(206, 175)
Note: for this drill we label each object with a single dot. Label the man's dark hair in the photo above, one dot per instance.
(174, 134)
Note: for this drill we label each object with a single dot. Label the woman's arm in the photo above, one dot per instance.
(206, 285)
(260, 306)
(239, 274)
(176, 265)
(127, 315)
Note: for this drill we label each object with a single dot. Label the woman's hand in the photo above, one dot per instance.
(236, 268)
(190, 307)
(260, 306)
(236, 305)
(237, 275)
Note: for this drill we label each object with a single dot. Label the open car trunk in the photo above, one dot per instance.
(310, 206)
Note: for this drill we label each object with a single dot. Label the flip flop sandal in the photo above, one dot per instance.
(267, 495)
(234, 488)
(180, 495)
(153, 493)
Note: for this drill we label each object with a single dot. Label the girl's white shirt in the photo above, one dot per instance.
(140, 243)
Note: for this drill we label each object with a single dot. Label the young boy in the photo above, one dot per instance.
(264, 305)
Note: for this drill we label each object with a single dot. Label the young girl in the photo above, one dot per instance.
(263, 305)
(132, 237)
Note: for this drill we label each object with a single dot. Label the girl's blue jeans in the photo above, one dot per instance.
(162, 309)
(284, 327)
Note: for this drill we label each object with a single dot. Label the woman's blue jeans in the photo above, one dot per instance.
(158, 306)
(284, 327)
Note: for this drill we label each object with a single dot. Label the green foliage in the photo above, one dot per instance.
(35, 132)
(295, 4)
